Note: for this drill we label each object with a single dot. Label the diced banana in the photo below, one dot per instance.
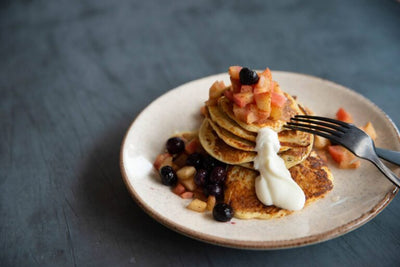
(210, 202)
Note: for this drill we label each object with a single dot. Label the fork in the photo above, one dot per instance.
(345, 134)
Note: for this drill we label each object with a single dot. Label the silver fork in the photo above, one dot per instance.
(345, 134)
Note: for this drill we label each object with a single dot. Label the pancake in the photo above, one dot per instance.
(223, 121)
(217, 148)
(289, 110)
(231, 139)
(312, 175)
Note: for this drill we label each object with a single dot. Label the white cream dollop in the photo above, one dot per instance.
(275, 185)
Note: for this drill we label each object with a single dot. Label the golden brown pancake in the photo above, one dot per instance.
(312, 175)
(231, 139)
(289, 110)
(219, 149)
(222, 120)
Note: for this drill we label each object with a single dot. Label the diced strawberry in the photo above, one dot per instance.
(343, 157)
(234, 71)
(246, 89)
(370, 130)
(278, 100)
(192, 146)
(179, 189)
(235, 85)
(242, 99)
(263, 101)
(344, 116)
(229, 94)
(161, 158)
(186, 195)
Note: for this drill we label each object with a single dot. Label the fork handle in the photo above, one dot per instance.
(389, 155)
(386, 171)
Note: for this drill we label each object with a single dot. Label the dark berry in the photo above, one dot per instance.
(168, 175)
(248, 76)
(175, 145)
(200, 178)
(214, 190)
(222, 212)
(195, 159)
(209, 163)
(218, 175)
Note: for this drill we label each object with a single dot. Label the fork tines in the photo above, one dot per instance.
(325, 127)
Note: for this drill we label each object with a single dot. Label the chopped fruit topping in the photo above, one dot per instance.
(235, 85)
(345, 158)
(246, 89)
(216, 90)
(247, 114)
(234, 72)
(162, 160)
(370, 130)
(229, 94)
(263, 101)
(187, 195)
(320, 142)
(278, 100)
(168, 175)
(344, 116)
(222, 212)
(276, 113)
(210, 202)
(248, 76)
(192, 146)
(197, 205)
(179, 189)
(243, 99)
(189, 184)
(186, 172)
(175, 145)
(267, 74)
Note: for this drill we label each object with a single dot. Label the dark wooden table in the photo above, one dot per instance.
(74, 74)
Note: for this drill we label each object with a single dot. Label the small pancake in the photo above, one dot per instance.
(228, 124)
(289, 110)
(231, 139)
(312, 175)
(217, 148)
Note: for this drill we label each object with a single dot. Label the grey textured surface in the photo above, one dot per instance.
(74, 74)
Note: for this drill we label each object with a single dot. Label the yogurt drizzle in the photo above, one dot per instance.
(275, 185)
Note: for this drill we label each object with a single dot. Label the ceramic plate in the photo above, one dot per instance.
(358, 195)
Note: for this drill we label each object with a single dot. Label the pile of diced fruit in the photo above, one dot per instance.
(255, 96)
(193, 174)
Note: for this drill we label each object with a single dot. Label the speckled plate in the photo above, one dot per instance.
(358, 195)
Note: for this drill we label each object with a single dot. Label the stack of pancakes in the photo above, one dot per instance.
(232, 141)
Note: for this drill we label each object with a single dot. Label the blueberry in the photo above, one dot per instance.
(248, 76)
(214, 190)
(222, 212)
(175, 145)
(218, 175)
(201, 177)
(168, 175)
(209, 163)
(195, 159)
